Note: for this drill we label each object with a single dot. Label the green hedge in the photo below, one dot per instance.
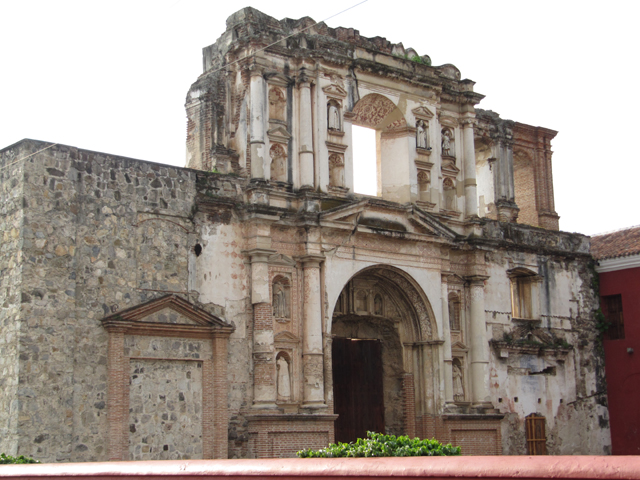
(380, 445)
(5, 459)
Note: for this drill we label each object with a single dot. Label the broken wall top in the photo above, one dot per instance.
(302, 38)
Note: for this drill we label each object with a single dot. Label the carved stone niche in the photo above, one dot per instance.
(424, 181)
(423, 118)
(279, 170)
(335, 95)
(448, 146)
(287, 357)
(336, 153)
(281, 298)
(336, 170)
(277, 104)
(449, 196)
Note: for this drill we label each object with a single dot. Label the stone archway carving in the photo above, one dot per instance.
(403, 321)
(377, 111)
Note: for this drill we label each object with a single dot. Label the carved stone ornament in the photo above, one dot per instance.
(277, 104)
(278, 163)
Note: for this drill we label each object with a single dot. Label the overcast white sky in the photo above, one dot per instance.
(112, 76)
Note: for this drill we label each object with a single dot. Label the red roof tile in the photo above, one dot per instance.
(616, 244)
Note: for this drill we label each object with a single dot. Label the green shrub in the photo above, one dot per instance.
(380, 445)
(5, 459)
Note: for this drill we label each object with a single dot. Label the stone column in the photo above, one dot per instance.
(470, 185)
(264, 369)
(312, 353)
(306, 133)
(479, 345)
(446, 333)
(257, 123)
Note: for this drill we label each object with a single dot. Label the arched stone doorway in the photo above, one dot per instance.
(385, 361)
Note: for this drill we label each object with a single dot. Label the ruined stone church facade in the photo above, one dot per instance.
(252, 304)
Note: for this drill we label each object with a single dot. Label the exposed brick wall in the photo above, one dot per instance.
(281, 436)
(533, 177)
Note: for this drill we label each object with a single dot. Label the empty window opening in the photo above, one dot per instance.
(612, 310)
(197, 249)
(365, 165)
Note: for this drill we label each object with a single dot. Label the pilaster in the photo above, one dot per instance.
(259, 154)
(479, 345)
(312, 351)
(306, 133)
(470, 185)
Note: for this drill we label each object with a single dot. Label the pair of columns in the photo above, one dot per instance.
(479, 350)
(264, 352)
(259, 121)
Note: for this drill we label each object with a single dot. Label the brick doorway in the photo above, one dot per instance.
(357, 388)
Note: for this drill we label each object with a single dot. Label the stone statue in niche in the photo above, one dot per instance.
(284, 378)
(422, 135)
(280, 301)
(277, 104)
(377, 305)
(278, 163)
(333, 119)
(458, 387)
(336, 170)
(447, 143)
(423, 184)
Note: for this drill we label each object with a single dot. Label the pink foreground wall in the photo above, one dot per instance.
(454, 468)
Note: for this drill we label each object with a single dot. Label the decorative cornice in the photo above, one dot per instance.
(619, 263)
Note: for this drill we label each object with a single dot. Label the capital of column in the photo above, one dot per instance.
(477, 280)
(468, 122)
(255, 70)
(260, 255)
(303, 80)
(311, 261)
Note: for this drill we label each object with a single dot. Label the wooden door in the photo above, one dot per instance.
(357, 388)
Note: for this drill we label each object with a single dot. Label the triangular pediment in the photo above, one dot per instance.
(285, 337)
(279, 133)
(167, 311)
(279, 259)
(380, 215)
(459, 346)
(423, 112)
(334, 91)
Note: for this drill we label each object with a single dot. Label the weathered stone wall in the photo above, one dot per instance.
(101, 233)
(165, 397)
(551, 366)
(11, 225)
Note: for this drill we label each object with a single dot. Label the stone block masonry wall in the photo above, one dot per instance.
(90, 221)
(11, 223)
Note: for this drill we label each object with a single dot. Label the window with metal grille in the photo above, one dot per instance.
(612, 309)
(536, 436)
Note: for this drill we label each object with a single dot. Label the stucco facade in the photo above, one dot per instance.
(153, 312)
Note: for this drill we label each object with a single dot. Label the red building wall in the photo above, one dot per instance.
(623, 367)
